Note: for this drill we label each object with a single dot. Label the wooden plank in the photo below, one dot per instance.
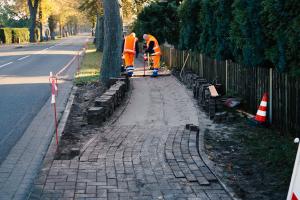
(213, 91)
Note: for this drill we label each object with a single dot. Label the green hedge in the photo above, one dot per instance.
(14, 35)
(256, 33)
(6, 35)
(20, 35)
(160, 20)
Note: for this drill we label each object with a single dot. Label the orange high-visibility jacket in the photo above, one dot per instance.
(129, 44)
(156, 47)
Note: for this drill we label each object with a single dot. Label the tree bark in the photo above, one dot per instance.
(41, 21)
(33, 11)
(96, 34)
(52, 21)
(99, 34)
(111, 61)
(60, 30)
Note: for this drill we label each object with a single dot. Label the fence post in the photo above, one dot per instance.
(226, 73)
(201, 64)
(182, 58)
(271, 95)
(216, 70)
(170, 59)
(286, 100)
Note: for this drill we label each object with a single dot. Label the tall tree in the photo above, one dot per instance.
(99, 34)
(33, 7)
(208, 26)
(92, 9)
(281, 25)
(12, 17)
(246, 32)
(52, 23)
(111, 61)
(45, 9)
(139, 4)
(41, 21)
(223, 16)
(190, 26)
(164, 14)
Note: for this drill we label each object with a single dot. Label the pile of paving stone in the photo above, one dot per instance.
(212, 106)
(105, 104)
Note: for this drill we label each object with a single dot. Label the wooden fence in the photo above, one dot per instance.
(246, 82)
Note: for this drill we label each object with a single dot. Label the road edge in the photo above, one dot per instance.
(50, 154)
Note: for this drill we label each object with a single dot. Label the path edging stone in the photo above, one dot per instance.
(210, 164)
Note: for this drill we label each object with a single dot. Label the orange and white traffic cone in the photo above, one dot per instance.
(261, 115)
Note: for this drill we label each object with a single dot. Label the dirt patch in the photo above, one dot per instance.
(77, 131)
(256, 162)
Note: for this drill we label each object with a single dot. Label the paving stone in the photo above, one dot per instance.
(112, 196)
(102, 193)
(69, 193)
(84, 195)
(135, 162)
(91, 189)
(96, 115)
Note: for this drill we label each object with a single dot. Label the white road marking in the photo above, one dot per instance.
(58, 44)
(5, 64)
(66, 66)
(23, 57)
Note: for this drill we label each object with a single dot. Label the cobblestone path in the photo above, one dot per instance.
(147, 154)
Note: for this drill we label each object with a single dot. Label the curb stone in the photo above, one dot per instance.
(210, 164)
(113, 119)
(49, 156)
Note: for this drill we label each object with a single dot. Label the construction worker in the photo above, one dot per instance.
(153, 50)
(130, 50)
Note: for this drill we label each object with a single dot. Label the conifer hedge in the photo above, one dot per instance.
(160, 20)
(254, 33)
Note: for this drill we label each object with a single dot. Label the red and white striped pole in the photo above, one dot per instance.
(54, 92)
(294, 189)
(145, 59)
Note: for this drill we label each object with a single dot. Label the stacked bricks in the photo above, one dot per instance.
(199, 86)
(105, 105)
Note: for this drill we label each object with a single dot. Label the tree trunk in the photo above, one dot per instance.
(76, 29)
(99, 35)
(96, 33)
(32, 20)
(111, 62)
(60, 30)
(41, 21)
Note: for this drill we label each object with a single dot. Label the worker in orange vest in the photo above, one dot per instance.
(153, 50)
(130, 50)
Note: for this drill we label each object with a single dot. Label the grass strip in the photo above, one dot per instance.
(90, 66)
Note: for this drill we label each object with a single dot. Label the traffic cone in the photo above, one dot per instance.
(261, 115)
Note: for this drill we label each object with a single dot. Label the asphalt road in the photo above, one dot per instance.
(24, 84)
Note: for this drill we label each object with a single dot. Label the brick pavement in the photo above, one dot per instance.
(134, 162)
(146, 154)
